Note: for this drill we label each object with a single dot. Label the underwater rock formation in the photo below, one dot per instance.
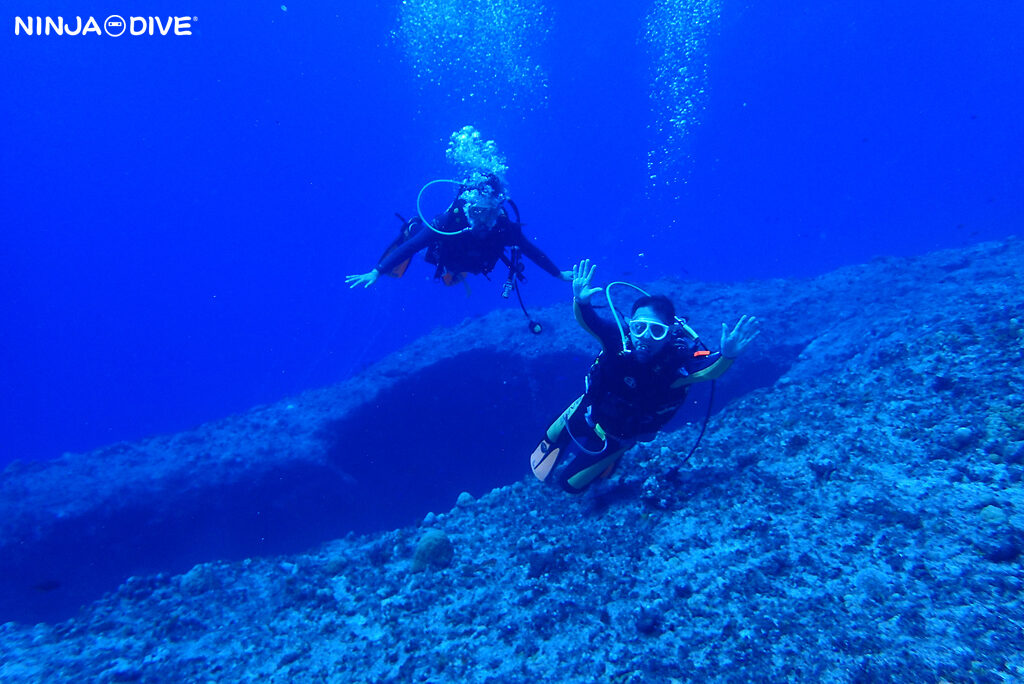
(854, 512)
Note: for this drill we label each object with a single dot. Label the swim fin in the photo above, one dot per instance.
(543, 459)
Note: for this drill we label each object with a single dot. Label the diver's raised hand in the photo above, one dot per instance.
(365, 279)
(743, 333)
(581, 275)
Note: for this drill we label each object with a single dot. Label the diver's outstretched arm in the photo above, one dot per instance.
(541, 259)
(743, 333)
(419, 240)
(364, 279)
(582, 273)
(606, 332)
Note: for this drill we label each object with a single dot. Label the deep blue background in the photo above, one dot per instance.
(178, 214)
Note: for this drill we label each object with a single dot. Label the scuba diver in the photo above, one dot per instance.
(470, 237)
(472, 234)
(635, 386)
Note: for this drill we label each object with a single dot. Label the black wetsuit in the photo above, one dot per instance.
(466, 252)
(631, 398)
(627, 400)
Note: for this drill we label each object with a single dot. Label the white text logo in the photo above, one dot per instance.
(115, 25)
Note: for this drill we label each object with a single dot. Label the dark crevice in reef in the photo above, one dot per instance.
(462, 424)
(79, 558)
(466, 423)
(449, 430)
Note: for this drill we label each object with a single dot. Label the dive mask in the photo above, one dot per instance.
(642, 328)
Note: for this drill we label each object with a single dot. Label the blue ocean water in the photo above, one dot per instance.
(179, 213)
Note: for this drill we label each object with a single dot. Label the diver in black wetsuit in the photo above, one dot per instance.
(470, 237)
(635, 385)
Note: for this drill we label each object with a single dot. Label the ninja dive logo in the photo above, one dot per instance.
(115, 25)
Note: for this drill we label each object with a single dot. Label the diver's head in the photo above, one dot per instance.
(483, 202)
(650, 323)
(492, 185)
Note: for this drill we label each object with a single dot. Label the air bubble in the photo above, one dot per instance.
(482, 45)
(677, 34)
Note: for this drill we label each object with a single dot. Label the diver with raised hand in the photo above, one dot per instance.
(471, 236)
(636, 384)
